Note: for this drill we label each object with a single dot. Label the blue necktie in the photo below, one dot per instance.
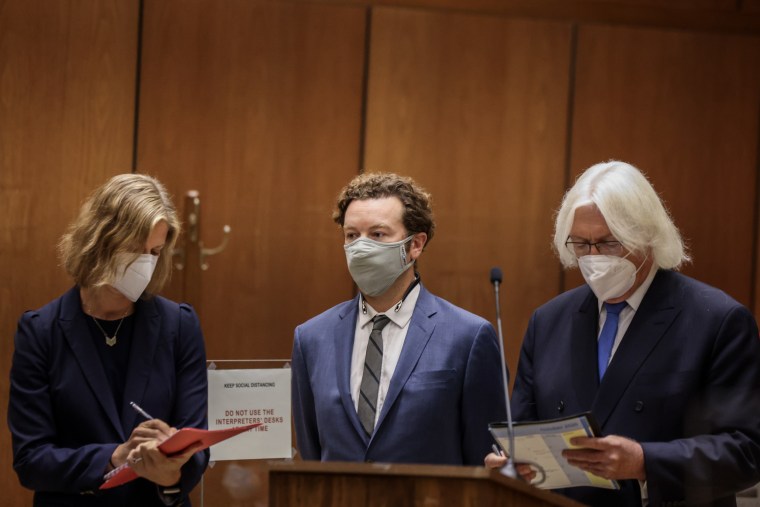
(607, 336)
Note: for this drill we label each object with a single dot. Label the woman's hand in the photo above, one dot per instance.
(154, 429)
(149, 462)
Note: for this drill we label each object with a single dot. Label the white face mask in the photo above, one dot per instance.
(374, 266)
(135, 276)
(608, 276)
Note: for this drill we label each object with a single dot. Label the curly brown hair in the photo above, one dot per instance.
(418, 213)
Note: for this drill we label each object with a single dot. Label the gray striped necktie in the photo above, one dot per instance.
(370, 385)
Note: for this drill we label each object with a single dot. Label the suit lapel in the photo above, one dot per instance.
(583, 350)
(76, 334)
(420, 330)
(652, 319)
(141, 357)
(344, 347)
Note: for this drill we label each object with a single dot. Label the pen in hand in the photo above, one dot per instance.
(140, 410)
(116, 470)
(496, 450)
(146, 415)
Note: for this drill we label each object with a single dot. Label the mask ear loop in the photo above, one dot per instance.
(403, 248)
(646, 258)
(408, 290)
(416, 275)
(401, 302)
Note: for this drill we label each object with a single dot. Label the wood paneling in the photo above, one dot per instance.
(726, 5)
(258, 106)
(334, 484)
(683, 107)
(756, 253)
(67, 79)
(751, 6)
(474, 108)
(708, 15)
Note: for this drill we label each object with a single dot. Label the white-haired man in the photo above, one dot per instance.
(669, 366)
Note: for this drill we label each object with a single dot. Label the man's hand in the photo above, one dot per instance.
(610, 457)
(525, 471)
(495, 461)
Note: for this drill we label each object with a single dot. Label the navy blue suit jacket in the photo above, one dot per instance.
(684, 382)
(445, 390)
(62, 415)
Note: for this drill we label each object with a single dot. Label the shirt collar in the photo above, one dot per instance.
(400, 318)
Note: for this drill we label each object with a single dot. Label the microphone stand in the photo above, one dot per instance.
(509, 468)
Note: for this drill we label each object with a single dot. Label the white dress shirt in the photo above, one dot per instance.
(394, 334)
(626, 315)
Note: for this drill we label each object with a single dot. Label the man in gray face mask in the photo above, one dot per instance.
(396, 374)
(669, 366)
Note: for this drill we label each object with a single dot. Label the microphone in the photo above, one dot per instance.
(509, 468)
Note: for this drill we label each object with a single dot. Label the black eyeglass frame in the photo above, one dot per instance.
(611, 247)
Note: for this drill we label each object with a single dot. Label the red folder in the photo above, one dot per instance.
(175, 444)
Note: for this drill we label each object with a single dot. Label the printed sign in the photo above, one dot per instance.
(241, 397)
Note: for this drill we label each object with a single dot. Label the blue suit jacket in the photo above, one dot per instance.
(445, 390)
(684, 382)
(63, 417)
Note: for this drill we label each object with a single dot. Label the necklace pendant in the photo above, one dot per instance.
(111, 341)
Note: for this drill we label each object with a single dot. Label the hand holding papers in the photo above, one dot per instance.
(175, 444)
(541, 444)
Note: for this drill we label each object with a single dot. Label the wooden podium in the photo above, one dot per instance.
(334, 484)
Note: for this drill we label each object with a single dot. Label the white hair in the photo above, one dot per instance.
(632, 209)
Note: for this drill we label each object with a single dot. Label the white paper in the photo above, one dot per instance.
(239, 397)
(541, 443)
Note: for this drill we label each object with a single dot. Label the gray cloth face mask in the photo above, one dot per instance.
(374, 265)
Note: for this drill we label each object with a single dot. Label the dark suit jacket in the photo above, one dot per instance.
(445, 390)
(684, 382)
(63, 417)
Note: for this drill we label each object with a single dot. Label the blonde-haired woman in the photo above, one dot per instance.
(80, 360)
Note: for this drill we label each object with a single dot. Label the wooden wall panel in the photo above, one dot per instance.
(727, 5)
(756, 253)
(474, 108)
(683, 107)
(258, 106)
(752, 6)
(703, 15)
(559, 8)
(67, 78)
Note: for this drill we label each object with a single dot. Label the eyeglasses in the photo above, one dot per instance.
(581, 248)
